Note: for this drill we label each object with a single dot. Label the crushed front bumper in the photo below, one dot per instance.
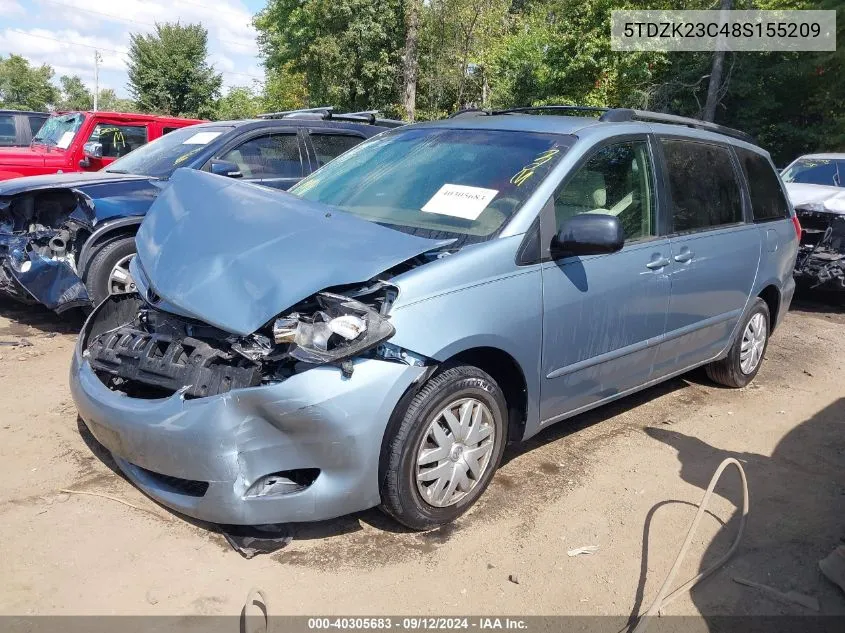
(201, 456)
(32, 278)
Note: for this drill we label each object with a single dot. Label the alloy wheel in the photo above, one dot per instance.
(753, 343)
(120, 280)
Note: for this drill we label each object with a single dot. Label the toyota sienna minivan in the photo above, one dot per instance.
(377, 336)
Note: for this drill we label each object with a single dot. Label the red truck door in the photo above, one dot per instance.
(110, 140)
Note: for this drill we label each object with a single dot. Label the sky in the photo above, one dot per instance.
(66, 33)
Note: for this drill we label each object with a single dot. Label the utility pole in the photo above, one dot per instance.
(97, 60)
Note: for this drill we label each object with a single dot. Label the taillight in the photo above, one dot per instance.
(797, 226)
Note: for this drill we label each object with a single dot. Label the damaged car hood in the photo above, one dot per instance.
(235, 255)
(113, 195)
(66, 181)
(803, 193)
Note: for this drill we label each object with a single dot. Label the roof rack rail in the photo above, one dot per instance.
(327, 113)
(284, 113)
(551, 108)
(628, 114)
(467, 113)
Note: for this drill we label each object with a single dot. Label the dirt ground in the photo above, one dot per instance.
(625, 478)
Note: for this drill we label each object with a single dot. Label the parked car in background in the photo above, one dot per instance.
(816, 187)
(66, 239)
(434, 293)
(17, 127)
(84, 141)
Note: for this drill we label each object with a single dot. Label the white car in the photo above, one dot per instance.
(817, 178)
(815, 184)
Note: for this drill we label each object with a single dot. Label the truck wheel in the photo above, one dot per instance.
(443, 453)
(744, 358)
(108, 272)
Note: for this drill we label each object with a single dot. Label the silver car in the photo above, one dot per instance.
(378, 335)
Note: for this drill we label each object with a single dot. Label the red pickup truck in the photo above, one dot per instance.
(84, 141)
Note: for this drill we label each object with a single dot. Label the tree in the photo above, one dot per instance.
(239, 103)
(75, 96)
(715, 82)
(110, 102)
(284, 89)
(410, 61)
(23, 87)
(348, 51)
(169, 72)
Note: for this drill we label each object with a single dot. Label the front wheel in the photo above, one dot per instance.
(443, 453)
(108, 273)
(745, 357)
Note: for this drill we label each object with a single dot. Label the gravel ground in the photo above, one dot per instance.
(625, 477)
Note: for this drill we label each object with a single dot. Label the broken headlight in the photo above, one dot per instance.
(339, 329)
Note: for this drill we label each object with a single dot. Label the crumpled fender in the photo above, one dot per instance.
(50, 282)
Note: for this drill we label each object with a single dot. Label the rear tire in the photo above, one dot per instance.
(741, 365)
(431, 438)
(98, 279)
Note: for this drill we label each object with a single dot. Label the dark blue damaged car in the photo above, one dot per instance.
(66, 239)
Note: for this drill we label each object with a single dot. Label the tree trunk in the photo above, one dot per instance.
(715, 76)
(410, 62)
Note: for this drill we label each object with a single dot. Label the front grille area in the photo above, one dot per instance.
(177, 485)
(165, 364)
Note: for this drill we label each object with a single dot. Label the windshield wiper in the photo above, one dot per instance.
(117, 171)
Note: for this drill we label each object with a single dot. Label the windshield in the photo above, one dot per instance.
(817, 171)
(59, 130)
(438, 183)
(161, 157)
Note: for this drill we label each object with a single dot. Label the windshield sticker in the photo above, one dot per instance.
(186, 156)
(65, 141)
(460, 201)
(201, 138)
(526, 172)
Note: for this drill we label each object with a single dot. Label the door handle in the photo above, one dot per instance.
(660, 262)
(684, 256)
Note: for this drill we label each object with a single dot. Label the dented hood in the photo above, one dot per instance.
(801, 193)
(234, 255)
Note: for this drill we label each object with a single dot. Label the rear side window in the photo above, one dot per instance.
(7, 130)
(329, 146)
(702, 184)
(767, 199)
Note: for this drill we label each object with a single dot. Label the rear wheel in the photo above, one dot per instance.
(108, 272)
(442, 455)
(745, 357)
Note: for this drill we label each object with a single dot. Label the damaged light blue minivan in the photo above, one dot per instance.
(377, 336)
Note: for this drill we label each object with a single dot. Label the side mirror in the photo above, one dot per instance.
(93, 149)
(225, 168)
(588, 234)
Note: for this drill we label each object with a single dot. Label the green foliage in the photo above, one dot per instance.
(347, 51)
(169, 74)
(284, 89)
(23, 87)
(239, 103)
(791, 102)
(110, 102)
(75, 96)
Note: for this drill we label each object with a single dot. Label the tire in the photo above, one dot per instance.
(97, 279)
(401, 493)
(729, 371)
